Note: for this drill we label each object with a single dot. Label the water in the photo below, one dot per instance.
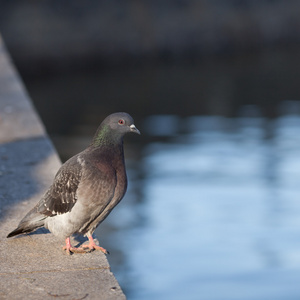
(213, 213)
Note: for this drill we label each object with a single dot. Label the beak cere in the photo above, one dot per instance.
(134, 129)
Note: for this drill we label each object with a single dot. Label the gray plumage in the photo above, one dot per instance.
(87, 186)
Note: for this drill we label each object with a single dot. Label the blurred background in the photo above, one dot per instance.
(212, 208)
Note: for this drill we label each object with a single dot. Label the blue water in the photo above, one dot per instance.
(212, 212)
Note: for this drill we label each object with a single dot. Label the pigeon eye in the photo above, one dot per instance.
(121, 122)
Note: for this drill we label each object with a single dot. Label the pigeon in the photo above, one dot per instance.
(85, 189)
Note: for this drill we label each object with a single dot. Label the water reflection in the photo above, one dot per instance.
(211, 214)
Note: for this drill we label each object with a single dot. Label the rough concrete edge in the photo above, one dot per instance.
(31, 129)
(26, 128)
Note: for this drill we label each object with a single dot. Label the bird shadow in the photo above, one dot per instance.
(78, 239)
(41, 230)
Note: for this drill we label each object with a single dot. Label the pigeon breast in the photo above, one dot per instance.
(102, 183)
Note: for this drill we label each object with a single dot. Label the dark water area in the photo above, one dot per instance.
(212, 208)
(208, 86)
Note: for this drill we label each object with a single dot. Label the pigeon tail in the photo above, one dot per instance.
(31, 222)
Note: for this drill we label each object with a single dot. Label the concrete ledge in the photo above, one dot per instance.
(35, 265)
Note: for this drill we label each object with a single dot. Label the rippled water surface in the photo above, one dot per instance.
(211, 213)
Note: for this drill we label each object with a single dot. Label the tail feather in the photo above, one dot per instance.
(29, 223)
(19, 230)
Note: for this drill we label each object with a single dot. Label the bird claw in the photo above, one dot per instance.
(71, 250)
(84, 248)
(93, 247)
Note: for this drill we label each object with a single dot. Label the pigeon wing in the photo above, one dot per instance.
(62, 194)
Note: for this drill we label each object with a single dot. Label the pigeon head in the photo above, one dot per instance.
(113, 128)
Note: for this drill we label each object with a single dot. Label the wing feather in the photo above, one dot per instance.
(62, 194)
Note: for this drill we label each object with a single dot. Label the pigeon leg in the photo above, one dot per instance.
(92, 245)
(69, 249)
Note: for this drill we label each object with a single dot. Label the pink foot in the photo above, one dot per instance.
(69, 249)
(93, 246)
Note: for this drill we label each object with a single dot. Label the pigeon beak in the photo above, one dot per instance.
(134, 129)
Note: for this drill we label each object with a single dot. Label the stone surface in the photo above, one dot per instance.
(35, 264)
